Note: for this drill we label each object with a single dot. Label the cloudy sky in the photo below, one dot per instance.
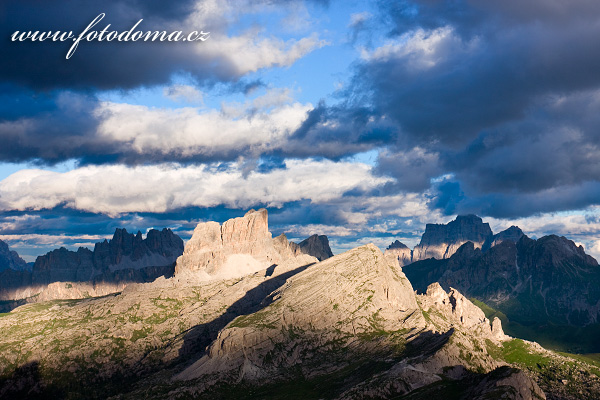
(362, 120)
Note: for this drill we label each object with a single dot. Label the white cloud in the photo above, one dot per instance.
(359, 18)
(422, 49)
(260, 125)
(249, 52)
(301, 232)
(183, 93)
(117, 189)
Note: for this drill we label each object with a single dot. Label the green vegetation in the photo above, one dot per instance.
(489, 312)
(517, 352)
(258, 320)
(557, 337)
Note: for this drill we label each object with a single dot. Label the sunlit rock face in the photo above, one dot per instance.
(242, 246)
(441, 241)
(398, 252)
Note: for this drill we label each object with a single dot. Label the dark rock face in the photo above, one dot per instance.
(397, 245)
(62, 265)
(125, 251)
(125, 258)
(441, 241)
(316, 246)
(533, 282)
(10, 259)
(513, 234)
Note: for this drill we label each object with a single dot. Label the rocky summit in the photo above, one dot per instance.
(441, 241)
(10, 259)
(82, 273)
(242, 246)
(399, 253)
(538, 285)
(348, 327)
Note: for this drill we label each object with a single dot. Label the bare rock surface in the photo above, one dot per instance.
(239, 247)
(349, 327)
(442, 240)
(317, 246)
(356, 307)
(83, 273)
(400, 253)
(10, 259)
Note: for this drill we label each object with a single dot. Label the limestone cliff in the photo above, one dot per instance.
(441, 241)
(123, 259)
(541, 284)
(355, 309)
(317, 246)
(398, 252)
(239, 247)
(10, 259)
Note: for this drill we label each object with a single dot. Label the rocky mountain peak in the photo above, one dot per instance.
(10, 259)
(317, 246)
(442, 240)
(238, 247)
(399, 253)
(397, 245)
(345, 291)
(512, 234)
(463, 228)
(124, 258)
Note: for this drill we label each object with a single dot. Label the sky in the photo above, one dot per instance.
(361, 120)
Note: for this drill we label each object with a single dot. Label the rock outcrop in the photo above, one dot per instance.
(453, 305)
(536, 283)
(348, 327)
(316, 246)
(125, 251)
(513, 234)
(354, 309)
(441, 241)
(400, 253)
(241, 246)
(10, 259)
(112, 264)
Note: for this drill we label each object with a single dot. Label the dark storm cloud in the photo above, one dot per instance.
(338, 131)
(502, 95)
(49, 127)
(94, 65)
(451, 200)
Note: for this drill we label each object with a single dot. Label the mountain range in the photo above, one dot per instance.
(441, 241)
(546, 290)
(111, 265)
(248, 316)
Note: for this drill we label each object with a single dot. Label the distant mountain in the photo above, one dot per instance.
(399, 252)
(10, 259)
(349, 327)
(317, 246)
(243, 246)
(540, 284)
(125, 258)
(440, 241)
(125, 251)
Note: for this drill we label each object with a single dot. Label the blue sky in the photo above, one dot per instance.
(362, 120)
